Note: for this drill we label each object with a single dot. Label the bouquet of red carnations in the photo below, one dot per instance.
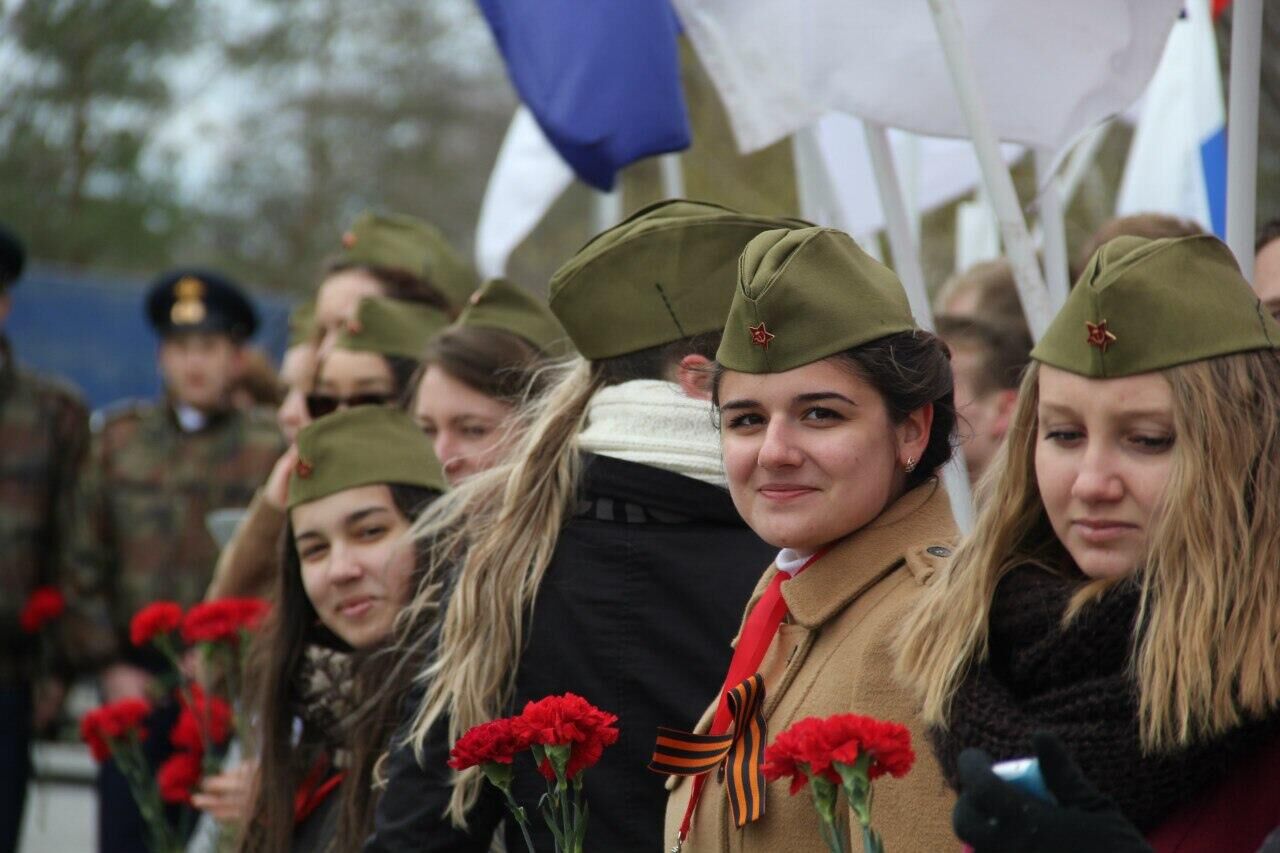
(567, 735)
(846, 753)
(217, 633)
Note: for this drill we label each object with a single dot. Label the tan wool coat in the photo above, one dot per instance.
(833, 655)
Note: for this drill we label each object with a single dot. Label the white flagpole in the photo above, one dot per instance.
(906, 261)
(1053, 227)
(1082, 157)
(1242, 130)
(995, 175)
(672, 172)
(607, 210)
(906, 258)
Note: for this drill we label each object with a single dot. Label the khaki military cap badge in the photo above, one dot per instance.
(760, 336)
(1099, 336)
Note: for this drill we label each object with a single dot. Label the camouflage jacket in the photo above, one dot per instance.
(141, 506)
(44, 433)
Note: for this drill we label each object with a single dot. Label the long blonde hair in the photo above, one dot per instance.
(1206, 650)
(491, 540)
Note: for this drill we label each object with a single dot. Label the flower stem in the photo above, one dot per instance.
(831, 836)
(522, 819)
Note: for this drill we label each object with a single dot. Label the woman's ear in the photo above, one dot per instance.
(694, 376)
(913, 436)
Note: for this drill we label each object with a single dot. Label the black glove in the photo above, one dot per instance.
(997, 817)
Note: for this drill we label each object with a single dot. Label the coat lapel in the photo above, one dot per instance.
(863, 558)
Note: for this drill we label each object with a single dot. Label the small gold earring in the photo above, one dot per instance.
(911, 464)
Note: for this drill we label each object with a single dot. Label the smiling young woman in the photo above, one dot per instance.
(835, 414)
(348, 568)
(1120, 588)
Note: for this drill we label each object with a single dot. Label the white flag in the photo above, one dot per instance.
(526, 180)
(1048, 70)
(1178, 158)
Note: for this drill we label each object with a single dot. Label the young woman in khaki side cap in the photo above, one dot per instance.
(1120, 590)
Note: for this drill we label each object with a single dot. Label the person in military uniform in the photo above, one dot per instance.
(154, 473)
(44, 433)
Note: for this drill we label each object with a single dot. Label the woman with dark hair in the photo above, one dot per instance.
(394, 256)
(361, 478)
(836, 413)
(374, 359)
(475, 374)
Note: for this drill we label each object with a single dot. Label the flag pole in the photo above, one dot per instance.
(1242, 130)
(672, 172)
(1053, 226)
(995, 175)
(906, 261)
(906, 258)
(606, 212)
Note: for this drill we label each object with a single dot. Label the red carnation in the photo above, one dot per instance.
(251, 612)
(567, 720)
(154, 620)
(43, 605)
(202, 717)
(811, 746)
(178, 777)
(888, 743)
(493, 742)
(798, 752)
(102, 727)
(222, 620)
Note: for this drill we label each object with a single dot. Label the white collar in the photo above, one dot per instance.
(789, 561)
(190, 419)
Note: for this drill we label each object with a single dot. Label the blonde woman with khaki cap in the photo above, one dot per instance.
(1120, 590)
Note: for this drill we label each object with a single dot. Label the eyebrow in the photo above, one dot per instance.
(1055, 408)
(354, 518)
(812, 397)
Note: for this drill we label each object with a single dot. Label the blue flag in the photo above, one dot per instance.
(602, 77)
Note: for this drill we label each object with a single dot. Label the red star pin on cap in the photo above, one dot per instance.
(348, 239)
(303, 469)
(1098, 335)
(760, 336)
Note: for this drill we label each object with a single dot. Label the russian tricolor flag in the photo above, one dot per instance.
(1178, 159)
(602, 78)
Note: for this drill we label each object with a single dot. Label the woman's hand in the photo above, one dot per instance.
(228, 796)
(276, 490)
(995, 816)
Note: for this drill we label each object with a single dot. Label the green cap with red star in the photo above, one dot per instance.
(805, 294)
(1144, 305)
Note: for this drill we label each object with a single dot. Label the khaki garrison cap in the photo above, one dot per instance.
(1143, 305)
(392, 327)
(501, 304)
(362, 446)
(406, 243)
(665, 274)
(807, 294)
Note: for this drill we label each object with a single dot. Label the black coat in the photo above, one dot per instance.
(635, 613)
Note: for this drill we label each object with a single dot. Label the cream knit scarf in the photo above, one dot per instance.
(653, 423)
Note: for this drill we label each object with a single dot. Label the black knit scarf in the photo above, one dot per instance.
(1074, 683)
